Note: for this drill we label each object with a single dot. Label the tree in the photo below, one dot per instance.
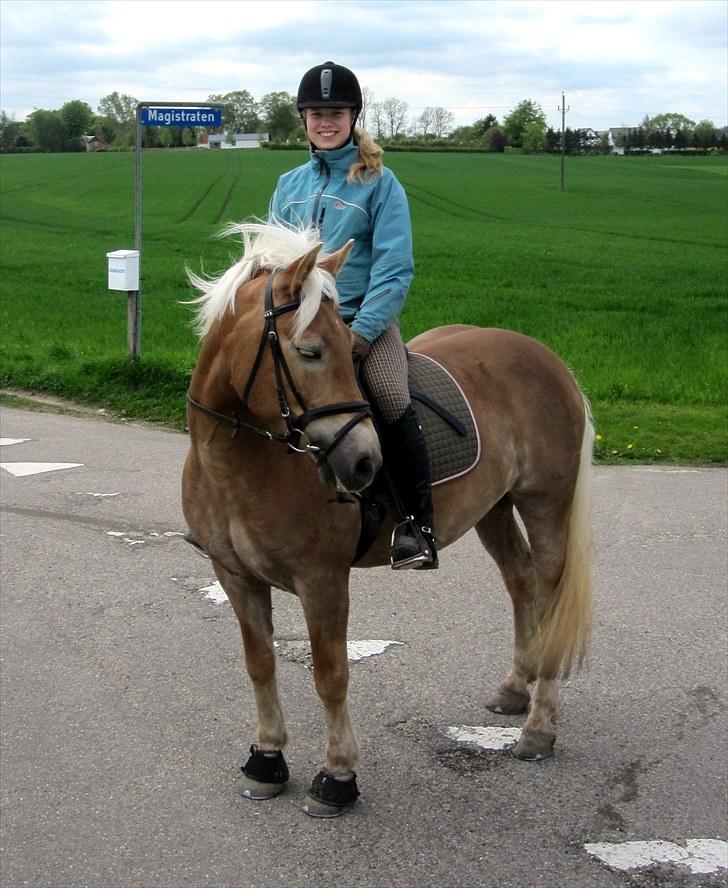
(367, 97)
(395, 115)
(240, 111)
(442, 121)
(10, 133)
(463, 135)
(495, 139)
(533, 140)
(704, 135)
(481, 127)
(46, 130)
(377, 120)
(77, 119)
(280, 115)
(119, 107)
(553, 141)
(525, 113)
(670, 122)
(424, 123)
(117, 118)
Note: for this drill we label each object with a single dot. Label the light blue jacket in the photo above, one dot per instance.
(373, 283)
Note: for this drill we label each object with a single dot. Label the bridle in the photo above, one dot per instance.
(294, 438)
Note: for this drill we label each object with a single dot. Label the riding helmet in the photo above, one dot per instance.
(329, 86)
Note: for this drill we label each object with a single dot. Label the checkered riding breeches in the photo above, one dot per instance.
(384, 372)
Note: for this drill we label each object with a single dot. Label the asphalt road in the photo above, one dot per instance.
(126, 712)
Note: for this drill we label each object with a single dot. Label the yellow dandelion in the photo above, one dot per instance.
(630, 446)
(598, 438)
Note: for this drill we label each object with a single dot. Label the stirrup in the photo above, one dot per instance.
(426, 556)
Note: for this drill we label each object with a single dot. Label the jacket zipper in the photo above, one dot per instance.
(317, 202)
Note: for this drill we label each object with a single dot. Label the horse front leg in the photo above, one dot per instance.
(334, 788)
(265, 773)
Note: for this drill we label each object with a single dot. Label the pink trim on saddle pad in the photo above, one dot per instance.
(449, 375)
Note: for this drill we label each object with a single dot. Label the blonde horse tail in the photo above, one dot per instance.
(565, 629)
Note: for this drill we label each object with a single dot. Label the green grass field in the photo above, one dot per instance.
(623, 274)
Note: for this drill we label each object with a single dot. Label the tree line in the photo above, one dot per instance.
(524, 128)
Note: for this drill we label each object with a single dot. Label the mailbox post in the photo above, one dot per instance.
(124, 275)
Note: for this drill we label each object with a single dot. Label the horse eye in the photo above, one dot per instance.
(309, 354)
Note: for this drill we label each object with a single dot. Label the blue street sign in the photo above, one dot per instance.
(193, 116)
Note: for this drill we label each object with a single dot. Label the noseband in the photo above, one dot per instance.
(294, 427)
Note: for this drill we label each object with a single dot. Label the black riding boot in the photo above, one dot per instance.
(405, 456)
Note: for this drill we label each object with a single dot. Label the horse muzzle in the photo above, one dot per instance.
(353, 462)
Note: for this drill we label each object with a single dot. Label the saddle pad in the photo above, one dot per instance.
(452, 452)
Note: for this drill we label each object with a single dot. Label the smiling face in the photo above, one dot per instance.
(328, 128)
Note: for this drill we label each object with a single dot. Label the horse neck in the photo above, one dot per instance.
(210, 383)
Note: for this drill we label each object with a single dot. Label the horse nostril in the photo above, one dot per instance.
(365, 468)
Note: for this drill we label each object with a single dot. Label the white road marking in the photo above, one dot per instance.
(700, 856)
(491, 738)
(22, 469)
(124, 538)
(214, 593)
(90, 493)
(358, 650)
(6, 442)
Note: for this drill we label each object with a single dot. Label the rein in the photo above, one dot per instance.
(294, 427)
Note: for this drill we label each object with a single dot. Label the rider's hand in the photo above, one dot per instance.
(360, 347)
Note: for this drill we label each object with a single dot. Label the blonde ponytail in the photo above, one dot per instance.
(369, 162)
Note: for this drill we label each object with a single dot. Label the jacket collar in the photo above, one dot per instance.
(339, 158)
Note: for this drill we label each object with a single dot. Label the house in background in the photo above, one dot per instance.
(216, 141)
(93, 143)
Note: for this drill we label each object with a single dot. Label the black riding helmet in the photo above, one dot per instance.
(329, 86)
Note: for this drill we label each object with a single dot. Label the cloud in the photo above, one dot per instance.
(614, 59)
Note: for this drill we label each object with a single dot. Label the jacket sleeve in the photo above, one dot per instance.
(392, 265)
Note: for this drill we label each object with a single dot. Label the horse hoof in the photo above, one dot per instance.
(315, 808)
(506, 702)
(329, 797)
(534, 746)
(264, 774)
(254, 789)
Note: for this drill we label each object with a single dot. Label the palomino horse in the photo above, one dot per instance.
(274, 344)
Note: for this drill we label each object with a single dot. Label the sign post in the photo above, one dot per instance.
(158, 114)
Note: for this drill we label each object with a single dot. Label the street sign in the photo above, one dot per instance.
(205, 114)
(174, 116)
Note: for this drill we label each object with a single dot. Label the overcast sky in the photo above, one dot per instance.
(617, 61)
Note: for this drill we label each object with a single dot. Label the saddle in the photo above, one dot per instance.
(453, 442)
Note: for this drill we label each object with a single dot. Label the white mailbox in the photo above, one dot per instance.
(123, 270)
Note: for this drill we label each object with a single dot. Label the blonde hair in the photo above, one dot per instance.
(369, 163)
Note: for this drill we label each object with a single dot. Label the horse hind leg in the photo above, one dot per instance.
(265, 773)
(559, 535)
(503, 540)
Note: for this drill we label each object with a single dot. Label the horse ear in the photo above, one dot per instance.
(303, 268)
(335, 261)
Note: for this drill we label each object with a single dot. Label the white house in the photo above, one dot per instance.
(239, 140)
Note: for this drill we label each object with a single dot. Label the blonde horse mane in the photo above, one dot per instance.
(266, 246)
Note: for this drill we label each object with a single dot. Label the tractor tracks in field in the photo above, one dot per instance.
(207, 192)
(461, 211)
(228, 196)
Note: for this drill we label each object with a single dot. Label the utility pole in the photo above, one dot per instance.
(563, 108)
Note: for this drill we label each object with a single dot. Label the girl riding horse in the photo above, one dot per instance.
(345, 193)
